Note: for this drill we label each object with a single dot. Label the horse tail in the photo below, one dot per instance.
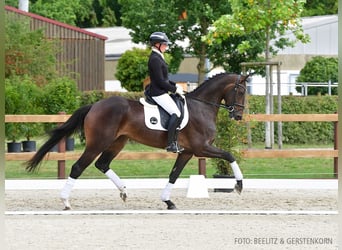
(73, 124)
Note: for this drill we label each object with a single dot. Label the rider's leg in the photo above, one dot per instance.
(172, 135)
(166, 102)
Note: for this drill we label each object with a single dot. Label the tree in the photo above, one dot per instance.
(262, 20)
(28, 52)
(319, 7)
(185, 22)
(63, 10)
(319, 69)
(81, 13)
(265, 20)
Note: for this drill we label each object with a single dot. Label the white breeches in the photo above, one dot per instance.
(167, 103)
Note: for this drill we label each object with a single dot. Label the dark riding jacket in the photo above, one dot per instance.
(158, 71)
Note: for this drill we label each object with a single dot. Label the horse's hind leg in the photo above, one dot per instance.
(76, 170)
(104, 161)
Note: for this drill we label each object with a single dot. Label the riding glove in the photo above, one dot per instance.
(179, 90)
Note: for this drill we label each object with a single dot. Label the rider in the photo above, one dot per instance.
(160, 86)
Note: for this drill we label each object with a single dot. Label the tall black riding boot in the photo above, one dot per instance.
(173, 146)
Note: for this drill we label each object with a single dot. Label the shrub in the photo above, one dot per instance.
(319, 69)
(61, 95)
(132, 68)
(90, 97)
(230, 134)
(296, 132)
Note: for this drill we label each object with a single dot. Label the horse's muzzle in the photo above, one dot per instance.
(238, 117)
(235, 115)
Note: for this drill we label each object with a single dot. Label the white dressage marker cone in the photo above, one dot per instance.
(197, 187)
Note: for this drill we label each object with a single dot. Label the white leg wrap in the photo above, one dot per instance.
(115, 179)
(237, 172)
(165, 196)
(65, 193)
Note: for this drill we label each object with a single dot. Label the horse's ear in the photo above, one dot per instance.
(250, 74)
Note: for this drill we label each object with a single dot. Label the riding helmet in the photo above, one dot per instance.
(159, 37)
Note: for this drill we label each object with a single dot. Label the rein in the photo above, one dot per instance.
(231, 107)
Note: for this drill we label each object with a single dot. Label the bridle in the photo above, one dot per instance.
(230, 107)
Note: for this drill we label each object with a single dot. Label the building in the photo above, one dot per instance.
(83, 52)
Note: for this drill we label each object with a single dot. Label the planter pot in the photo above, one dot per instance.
(69, 144)
(223, 190)
(29, 146)
(13, 147)
(54, 148)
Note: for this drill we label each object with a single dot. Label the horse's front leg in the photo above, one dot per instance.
(213, 152)
(178, 167)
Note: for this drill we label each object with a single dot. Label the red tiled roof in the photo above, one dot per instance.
(48, 20)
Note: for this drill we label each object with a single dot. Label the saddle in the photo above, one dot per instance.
(156, 117)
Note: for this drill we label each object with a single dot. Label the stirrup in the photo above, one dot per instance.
(174, 148)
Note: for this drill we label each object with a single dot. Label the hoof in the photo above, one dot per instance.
(66, 204)
(170, 205)
(123, 194)
(238, 187)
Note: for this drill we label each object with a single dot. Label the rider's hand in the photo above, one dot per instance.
(179, 90)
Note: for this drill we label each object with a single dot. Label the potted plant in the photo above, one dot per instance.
(69, 144)
(12, 105)
(31, 95)
(230, 134)
(12, 132)
(22, 97)
(30, 130)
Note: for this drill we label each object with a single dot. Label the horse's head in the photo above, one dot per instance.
(235, 97)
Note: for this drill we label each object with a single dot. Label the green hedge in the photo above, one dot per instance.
(297, 132)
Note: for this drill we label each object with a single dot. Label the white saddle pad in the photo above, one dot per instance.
(152, 116)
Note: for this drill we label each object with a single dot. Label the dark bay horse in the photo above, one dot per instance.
(109, 123)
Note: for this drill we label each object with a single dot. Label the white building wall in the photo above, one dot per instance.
(257, 85)
(323, 32)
